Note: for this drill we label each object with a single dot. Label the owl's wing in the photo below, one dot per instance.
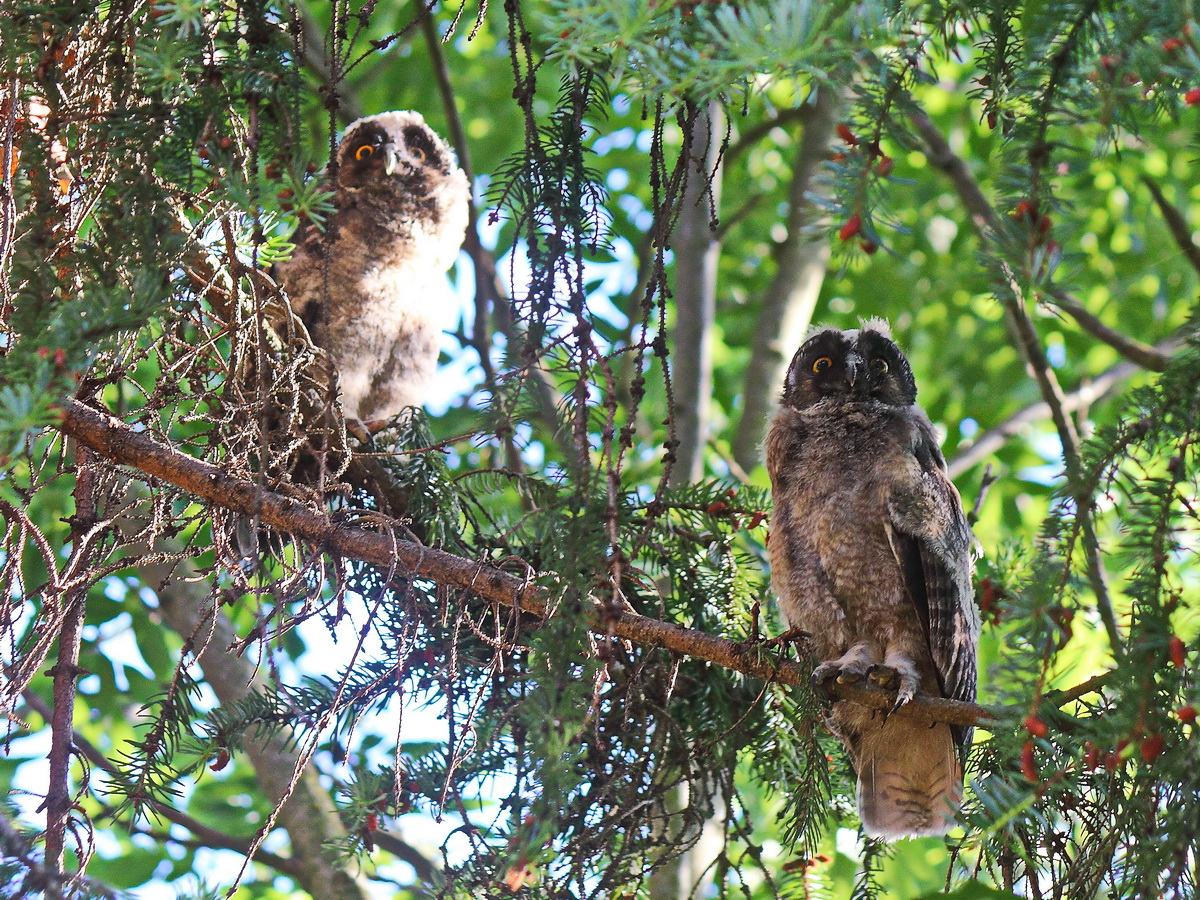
(301, 274)
(932, 542)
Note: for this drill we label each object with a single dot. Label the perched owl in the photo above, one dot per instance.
(371, 287)
(872, 556)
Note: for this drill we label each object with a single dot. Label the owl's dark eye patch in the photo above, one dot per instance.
(369, 135)
(879, 364)
(421, 145)
(822, 364)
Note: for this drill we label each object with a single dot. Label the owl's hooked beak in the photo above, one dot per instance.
(854, 365)
(391, 160)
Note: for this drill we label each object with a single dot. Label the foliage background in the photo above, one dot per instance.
(172, 144)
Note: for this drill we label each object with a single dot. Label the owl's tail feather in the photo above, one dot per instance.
(909, 779)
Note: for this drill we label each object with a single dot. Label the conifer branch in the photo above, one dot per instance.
(114, 440)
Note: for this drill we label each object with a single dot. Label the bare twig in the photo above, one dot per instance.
(309, 816)
(1091, 686)
(1142, 354)
(208, 836)
(988, 479)
(66, 672)
(36, 877)
(490, 291)
(1098, 388)
(987, 223)
(1069, 439)
(348, 107)
(938, 151)
(116, 441)
(761, 129)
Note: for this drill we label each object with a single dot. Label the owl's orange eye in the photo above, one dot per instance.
(879, 364)
(419, 154)
(364, 151)
(822, 364)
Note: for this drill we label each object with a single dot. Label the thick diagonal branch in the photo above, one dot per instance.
(113, 439)
(987, 224)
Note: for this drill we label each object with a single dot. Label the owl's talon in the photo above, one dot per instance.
(823, 674)
(884, 676)
(907, 690)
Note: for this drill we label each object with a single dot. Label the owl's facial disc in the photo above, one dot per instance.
(851, 366)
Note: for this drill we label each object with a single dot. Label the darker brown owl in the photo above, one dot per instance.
(371, 287)
(871, 555)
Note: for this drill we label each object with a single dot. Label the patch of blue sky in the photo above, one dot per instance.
(621, 139)
(1047, 446)
(1056, 353)
(617, 180)
(635, 209)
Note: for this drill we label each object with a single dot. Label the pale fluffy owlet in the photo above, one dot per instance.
(371, 288)
(872, 556)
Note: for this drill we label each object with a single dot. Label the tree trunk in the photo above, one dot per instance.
(787, 308)
(697, 249)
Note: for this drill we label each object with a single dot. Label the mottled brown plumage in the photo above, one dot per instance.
(371, 287)
(871, 555)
